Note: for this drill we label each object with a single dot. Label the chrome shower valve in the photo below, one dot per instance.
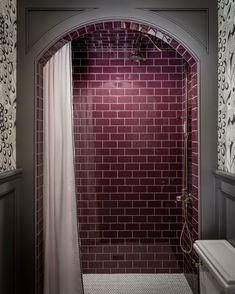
(184, 198)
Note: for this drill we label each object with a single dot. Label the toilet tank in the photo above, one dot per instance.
(217, 271)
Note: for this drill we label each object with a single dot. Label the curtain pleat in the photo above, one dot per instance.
(62, 273)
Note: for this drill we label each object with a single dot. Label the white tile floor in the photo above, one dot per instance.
(136, 284)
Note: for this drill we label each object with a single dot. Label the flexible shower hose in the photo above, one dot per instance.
(185, 229)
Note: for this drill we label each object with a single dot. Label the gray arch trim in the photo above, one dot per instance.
(26, 106)
(194, 47)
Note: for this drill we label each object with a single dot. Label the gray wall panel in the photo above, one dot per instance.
(9, 232)
(188, 20)
(51, 18)
(225, 196)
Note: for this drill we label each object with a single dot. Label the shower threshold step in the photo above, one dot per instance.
(136, 284)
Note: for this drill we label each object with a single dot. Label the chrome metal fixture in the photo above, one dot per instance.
(186, 196)
(137, 56)
(154, 44)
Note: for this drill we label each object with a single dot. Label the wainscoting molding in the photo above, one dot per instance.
(9, 232)
(225, 196)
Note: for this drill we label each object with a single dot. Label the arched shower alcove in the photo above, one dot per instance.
(136, 223)
(139, 20)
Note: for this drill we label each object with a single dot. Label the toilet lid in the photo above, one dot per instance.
(219, 255)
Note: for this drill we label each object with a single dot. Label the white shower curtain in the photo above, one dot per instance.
(62, 274)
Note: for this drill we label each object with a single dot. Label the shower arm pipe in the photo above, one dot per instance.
(158, 49)
(185, 196)
(185, 171)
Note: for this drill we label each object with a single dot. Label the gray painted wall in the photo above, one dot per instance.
(225, 194)
(9, 231)
(41, 23)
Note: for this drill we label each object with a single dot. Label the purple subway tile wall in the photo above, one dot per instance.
(128, 154)
(126, 229)
(39, 181)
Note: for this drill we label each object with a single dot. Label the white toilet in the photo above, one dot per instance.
(217, 271)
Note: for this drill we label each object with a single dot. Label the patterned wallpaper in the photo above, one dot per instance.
(7, 84)
(226, 79)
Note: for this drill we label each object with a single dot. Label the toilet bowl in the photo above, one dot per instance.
(217, 269)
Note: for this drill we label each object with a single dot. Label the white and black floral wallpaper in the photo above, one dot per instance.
(226, 84)
(7, 84)
(226, 79)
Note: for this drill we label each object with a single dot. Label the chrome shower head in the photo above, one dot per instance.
(137, 57)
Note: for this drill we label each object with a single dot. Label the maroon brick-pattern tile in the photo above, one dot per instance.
(39, 180)
(127, 176)
(152, 219)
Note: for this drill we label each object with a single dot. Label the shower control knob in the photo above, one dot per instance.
(185, 197)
